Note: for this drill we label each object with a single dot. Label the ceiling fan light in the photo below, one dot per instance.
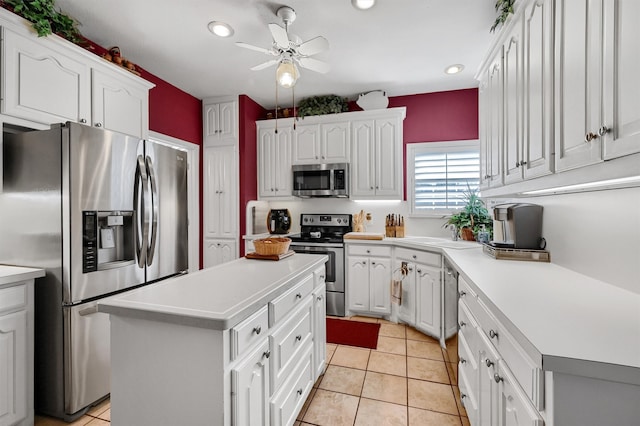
(220, 29)
(287, 74)
(363, 4)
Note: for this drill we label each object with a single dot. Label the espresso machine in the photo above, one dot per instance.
(517, 226)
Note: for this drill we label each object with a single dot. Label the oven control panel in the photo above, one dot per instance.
(325, 219)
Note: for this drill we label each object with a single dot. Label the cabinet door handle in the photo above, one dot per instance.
(257, 329)
(319, 297)
(83, 120)
(98, 124)
(371, 187)
(462, 324)
(493, 334)
(322, 277)
(463, 395)
(299, 391)
(373, 263)
(419, 271)
(364, 262)
(517, 164)
(368, 251)
(414, 257)
(603, 130)
(298, 337)
(462, 360)
(298, 296)
(488, 362)
(497, 378)
(589, 137)
(463, 293)
(266, 354)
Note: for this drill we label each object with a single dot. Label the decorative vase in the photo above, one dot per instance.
(467, 234)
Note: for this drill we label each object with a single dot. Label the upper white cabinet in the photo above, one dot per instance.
(376, 169)
(42, 84)
(274, 161)
(220, 122)
(118, 106)
(621, 83)
(49, 80)
(321, 143)
(579, 39)
(490, 124)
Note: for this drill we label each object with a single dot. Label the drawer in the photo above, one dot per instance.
(369, 250)
(289, 341)
(467, 327)
(424, 257)
(525, 370)
(468, 397)
(285, 303)
(468, 362)
(512, 402)
(319, 276)
(287, 403)
(248, 332)
(13, 298)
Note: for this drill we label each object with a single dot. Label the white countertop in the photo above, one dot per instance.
(11, 274)
(217, 297)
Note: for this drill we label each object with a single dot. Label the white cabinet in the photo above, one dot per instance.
(250, 388)
(220, 192)
(407, 307)
(514, 408)
(428, 289)
(16, 345)
(319, 324)
(13, 367)
(52, 81)
(512, 113)
(491, 129)
(217, 251)
(321, 143)
(579, 39)
(43, 84)
(119, 106)
(220, 122)
(621, 88)
(369, 279)
(376, 169)
(274, 161)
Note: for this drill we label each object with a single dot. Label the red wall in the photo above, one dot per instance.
(249, 113)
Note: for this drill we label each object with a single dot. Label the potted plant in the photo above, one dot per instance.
(320, 105)
(473, 217)
(46, 19)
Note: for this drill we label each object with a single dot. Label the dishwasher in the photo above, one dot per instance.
(449, 339)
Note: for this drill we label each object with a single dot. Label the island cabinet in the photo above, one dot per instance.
(16, 344)
(368, 275)
(241, 344)
(50, 80)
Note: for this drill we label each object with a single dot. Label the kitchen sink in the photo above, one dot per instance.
(442, 242)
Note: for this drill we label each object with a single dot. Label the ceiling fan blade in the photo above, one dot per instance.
(265, 65)
(314, 65)
(279, 36)
(313, 46)
(252, 47)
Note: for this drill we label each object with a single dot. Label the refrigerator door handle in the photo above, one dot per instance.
(140, 212)
(154, 211)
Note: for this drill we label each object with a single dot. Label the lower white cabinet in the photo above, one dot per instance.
(428, 291)
(514, 407)
(319, 317)
(369, 279)
(13, 367)
(219, 251)
(250, 384)
(407, 307)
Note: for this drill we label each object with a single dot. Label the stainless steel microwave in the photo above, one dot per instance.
(321, 180)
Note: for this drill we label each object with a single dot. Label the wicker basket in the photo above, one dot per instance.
(272, 245)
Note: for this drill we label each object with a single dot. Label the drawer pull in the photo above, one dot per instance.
(497, 378)
(298, 296)
(462, 360)
(414, 256)
(463, 293)
(319, 298)
(368, 251)
(493, 334)
(298, 337)
(462, 324)
(257, 329)
(322, 277)
(488, 362)
(299, 391)
(463, 395)
(266, 354)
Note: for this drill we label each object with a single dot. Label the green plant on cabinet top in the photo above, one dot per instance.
(46, 19)
(320, 105)
(504, 8)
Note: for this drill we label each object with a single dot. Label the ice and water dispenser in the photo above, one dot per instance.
(107, 240)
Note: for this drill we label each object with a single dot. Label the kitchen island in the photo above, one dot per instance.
(239, 343)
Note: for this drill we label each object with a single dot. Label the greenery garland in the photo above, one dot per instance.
(320, 105)
(504, 8)
(45, 18)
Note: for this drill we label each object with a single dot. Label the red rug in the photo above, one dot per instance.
(352, 333)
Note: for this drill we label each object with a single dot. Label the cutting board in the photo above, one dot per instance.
(363, 236)
(255, 255)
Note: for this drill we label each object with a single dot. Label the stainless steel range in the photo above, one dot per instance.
(323, 234)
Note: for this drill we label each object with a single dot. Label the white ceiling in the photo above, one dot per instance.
(399, 46)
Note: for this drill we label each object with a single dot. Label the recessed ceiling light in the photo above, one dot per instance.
(220, 29)
(454, 69)
(363, 4)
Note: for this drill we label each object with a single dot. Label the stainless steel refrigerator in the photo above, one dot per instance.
(102, 212)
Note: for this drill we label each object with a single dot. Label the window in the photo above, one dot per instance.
(439, 173)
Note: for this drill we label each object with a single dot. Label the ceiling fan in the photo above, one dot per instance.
(289, 50)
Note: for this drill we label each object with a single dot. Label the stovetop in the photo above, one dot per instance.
(323, 228)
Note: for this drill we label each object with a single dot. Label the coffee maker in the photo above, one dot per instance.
(278, 221)
(518, 226)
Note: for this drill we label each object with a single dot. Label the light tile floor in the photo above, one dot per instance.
(406, 381)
